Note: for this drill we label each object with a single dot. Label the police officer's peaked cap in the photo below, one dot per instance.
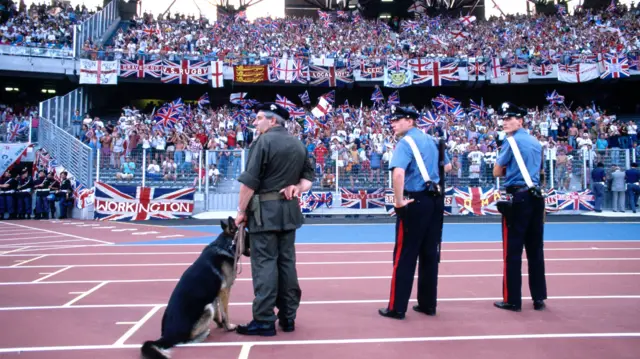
(398, 112)
(508, 109)
(273, 107)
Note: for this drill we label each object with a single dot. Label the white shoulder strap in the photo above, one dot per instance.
(416, 154)
(520, 161)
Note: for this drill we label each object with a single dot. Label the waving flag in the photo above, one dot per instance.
(304, 97)
(377, 95)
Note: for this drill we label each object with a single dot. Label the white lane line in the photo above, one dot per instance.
(28, 261)
(113, 265)
(51, 274)
(338, 341)
(244, 352)
(84, 294)
(54, 232)
(441, 276)
(326, 302)
(497, 250)
(137, 326)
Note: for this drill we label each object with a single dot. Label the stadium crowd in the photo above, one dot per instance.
(357, 140)
(538, 37)
(42, 25)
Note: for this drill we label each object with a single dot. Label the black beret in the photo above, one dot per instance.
(273, 107)
(398, 112)
(508, 109)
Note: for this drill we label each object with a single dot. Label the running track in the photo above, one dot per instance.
(77, 289)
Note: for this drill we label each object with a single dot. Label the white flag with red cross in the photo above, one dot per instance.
(322, 109)
(99, 72)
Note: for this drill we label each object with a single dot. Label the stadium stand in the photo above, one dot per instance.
(350, 145)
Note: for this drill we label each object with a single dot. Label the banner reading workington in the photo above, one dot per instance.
(131, 203)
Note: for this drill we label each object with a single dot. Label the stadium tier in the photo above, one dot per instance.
(313, 67)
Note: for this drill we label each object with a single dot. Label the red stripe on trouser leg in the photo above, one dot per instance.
(505, 236)
(399, 239)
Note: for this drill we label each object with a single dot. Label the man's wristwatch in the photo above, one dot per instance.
(241, 210)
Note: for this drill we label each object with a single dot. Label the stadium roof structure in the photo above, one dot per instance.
(382, 8)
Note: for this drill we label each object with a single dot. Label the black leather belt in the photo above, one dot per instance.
(516, 189)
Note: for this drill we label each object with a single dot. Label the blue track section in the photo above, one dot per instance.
(453, 232)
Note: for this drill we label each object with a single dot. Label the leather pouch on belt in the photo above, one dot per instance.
(254, 207)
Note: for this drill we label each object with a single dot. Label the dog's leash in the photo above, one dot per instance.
(239, 238)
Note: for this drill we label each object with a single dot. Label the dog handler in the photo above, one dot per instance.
(418, 207)
(278, 170)
(520, 162)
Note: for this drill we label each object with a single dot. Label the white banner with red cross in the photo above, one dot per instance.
(99, 72)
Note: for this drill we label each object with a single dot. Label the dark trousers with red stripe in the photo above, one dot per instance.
(418, 230)
(524, 226)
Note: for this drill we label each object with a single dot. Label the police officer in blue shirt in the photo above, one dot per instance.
(632, 177)
(523, 213)
(598, 180)
(418, 207)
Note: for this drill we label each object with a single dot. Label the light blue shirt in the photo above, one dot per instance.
(403, 158)
(531, 151)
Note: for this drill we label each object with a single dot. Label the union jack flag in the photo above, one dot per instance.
(363, 198)
(555, 97)
(544, 69)
(477, 70)
(324, 16)
(169, 114)
(17, 129)
(284, 102)
(297, 112)
(129, 203)
(377, 95)
(616, 68)
(477, 110)
(427, 120)
(186, 72)
(577, 201)
(330, 96)
(309, 201)
(203, 100)
(394, 98)
(445, 103)
(477, 201)
(140, 69)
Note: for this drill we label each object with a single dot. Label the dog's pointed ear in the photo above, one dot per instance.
(223, 226)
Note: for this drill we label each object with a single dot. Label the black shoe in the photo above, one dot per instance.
(385, 312)
(539, 305)
(287, 325)
(427, 311)
(254, 327)
(507, 306)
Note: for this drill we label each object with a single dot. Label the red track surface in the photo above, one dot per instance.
(102, 301)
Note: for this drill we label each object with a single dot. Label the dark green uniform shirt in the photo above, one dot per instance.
(276, 160)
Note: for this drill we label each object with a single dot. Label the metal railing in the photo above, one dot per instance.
(95, 26)
(76, 157)
(60, 110)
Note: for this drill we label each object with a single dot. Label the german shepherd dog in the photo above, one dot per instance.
(201, 295)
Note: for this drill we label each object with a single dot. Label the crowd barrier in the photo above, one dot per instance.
(55, 53)
(345, 187)
(95, 27)
(60, 110)
(75, 156)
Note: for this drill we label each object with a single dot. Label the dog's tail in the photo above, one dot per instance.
(152, 350)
